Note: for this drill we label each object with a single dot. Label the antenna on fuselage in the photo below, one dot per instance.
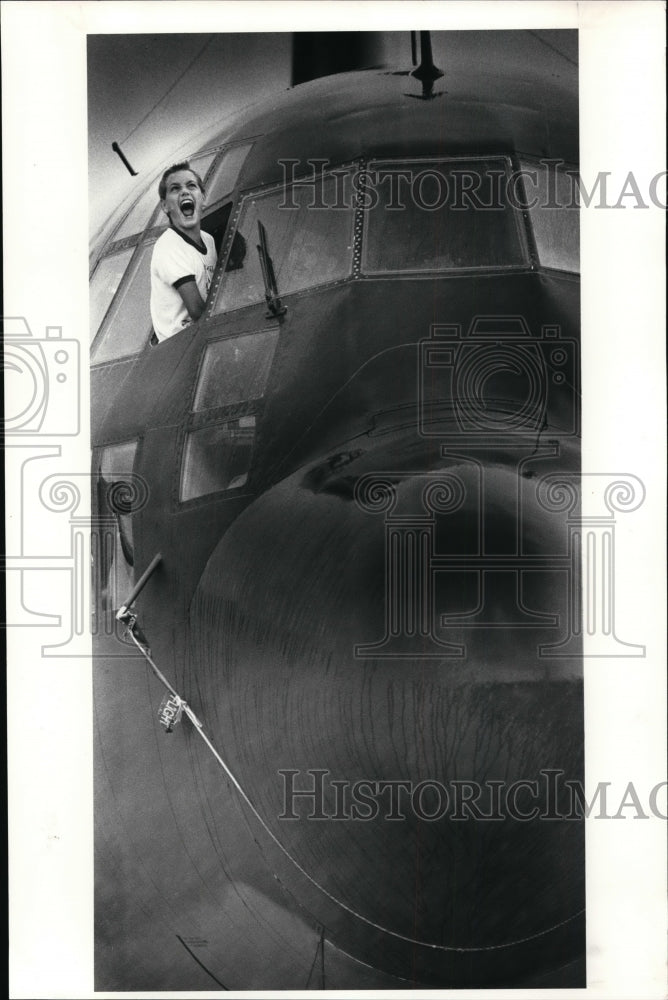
(427, 73)
(414, 47)
(117, 149)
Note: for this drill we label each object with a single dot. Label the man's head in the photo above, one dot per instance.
(182, 197)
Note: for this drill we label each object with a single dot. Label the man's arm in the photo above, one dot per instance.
(192, 300)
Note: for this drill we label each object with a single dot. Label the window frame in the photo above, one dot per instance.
(266, 190)
(128, 276)
(360, 235)
(218, 151)
(518, 216)
(520, 162)
(214, 418)
(224, 412)
(221, 153)
(149, 234)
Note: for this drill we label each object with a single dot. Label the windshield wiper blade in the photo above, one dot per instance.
(274, 304)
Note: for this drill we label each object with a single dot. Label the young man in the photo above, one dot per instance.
(184, 257)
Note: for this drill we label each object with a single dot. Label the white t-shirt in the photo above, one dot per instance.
(176, 259)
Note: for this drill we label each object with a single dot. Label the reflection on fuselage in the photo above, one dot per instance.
(430, 351)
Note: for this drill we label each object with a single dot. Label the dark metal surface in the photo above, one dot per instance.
(263, 594)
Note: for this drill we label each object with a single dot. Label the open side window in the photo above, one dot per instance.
(120, 285)
(215, 223)
(120, 294)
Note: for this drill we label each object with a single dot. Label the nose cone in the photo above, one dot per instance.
(334, 641)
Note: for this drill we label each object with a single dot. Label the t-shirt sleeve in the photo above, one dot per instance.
(182, 281)
(174, 264)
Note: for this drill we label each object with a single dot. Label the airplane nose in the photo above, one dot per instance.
(286, 660)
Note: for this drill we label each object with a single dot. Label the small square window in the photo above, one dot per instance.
(235, 370)
(217, 457)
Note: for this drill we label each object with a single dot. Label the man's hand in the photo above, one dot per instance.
(192, 299)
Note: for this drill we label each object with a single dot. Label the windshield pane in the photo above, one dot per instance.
(128, 327)
(145, 208)
(140, 214)
(104, 285)
(440, 216)
(226, 173)
(202, 163)
(308, 245)
(556, 229)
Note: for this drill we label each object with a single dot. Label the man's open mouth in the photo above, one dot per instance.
(187, 207)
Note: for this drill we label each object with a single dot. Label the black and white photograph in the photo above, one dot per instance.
(336, 412)
(350, 576)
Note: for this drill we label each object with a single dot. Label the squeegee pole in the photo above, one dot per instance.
(139, 585)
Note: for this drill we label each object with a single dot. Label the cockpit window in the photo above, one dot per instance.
(308, 245)
(441, 215)
(202, 163)
(104, 285)
(145, 209)
(140, 214)
(129, 321)
(120, 284)
(551, 194)
(226, 173)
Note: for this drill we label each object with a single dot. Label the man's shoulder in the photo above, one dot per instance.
(170, 236)
(171, 247)
(209, 241)
(165, 241)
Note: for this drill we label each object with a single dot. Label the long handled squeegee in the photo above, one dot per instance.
(123, 612)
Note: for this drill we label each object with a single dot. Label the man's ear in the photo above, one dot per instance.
(163, 206)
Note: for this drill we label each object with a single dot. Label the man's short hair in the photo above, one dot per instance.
(174, 169)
